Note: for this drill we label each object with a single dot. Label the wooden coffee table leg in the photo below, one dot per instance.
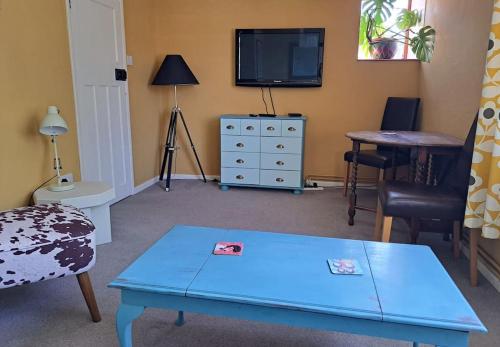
(354, 178)
(124, 317)
(422, 155)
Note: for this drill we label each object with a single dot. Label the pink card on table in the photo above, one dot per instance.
(228, 248)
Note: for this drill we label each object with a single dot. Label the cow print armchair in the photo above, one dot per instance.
(43, 242)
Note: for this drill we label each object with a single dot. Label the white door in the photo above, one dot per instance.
(102, 110)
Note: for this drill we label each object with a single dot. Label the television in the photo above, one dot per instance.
(279, 57)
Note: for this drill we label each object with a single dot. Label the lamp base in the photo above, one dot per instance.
(61, 187)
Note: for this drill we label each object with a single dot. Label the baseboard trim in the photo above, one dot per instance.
(146, 184)
(193, 177)
(338, 184)
(484, 270)
(156, 179)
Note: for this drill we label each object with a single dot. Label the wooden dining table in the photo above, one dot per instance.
(422, 144)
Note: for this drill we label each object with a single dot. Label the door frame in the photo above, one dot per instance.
(128, 131)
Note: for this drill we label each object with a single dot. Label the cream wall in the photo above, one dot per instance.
(450, 86)
(35, 72)
(353, 93)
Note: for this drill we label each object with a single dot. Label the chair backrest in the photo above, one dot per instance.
(400, 114)
(458, 175)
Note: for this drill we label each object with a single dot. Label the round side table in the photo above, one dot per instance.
(93, 198)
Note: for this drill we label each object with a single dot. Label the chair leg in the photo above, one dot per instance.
(88, 294)
(414, 227)
(457, 228)
(473, 240)
(394, 173)
(378, 222)
(347, 176)
(381, 175)
(386, 228)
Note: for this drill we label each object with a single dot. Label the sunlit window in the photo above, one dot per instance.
(387, 28)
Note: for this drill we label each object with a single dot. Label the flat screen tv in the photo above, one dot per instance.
(279, 57)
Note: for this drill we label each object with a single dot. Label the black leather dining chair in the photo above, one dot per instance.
(399, 114)
(445, 202)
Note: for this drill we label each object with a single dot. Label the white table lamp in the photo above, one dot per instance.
(54, 125)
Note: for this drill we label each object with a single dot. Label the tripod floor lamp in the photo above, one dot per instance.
(174, 71)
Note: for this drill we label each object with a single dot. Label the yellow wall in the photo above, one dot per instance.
(146, 116)
(35, 72)
(450, 86)
(353, 93)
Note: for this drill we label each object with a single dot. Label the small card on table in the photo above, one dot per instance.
(228, 248)
(345, 267)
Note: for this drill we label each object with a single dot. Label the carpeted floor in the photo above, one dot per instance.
(53, 313)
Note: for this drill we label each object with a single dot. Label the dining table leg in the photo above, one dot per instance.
(354, 178)
(412, 173)
(422, 156)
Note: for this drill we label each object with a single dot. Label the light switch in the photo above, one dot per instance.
(130, 61)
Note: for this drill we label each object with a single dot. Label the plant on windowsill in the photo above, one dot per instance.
(381, 41)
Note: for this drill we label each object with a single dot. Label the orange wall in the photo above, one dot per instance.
(352, 97)
(451, 85)
(145, 103)
(35, 71)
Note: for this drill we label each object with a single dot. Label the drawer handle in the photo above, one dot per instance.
(240, 177)
(280, 146)
(250, 128)
(240, 161)
(280, 163)
(291, 129)
(279, 179)
(240, 145)
(230, 127)
(270, 128)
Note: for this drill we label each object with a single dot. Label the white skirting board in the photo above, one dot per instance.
(154, 180)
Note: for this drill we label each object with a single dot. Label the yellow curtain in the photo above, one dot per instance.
(483, 201)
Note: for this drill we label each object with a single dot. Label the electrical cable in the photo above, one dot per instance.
(272, 102)
(263, 99)
(41, 185)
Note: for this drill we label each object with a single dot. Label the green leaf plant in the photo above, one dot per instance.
(404, 30)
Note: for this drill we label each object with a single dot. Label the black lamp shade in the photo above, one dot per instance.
(174, 71)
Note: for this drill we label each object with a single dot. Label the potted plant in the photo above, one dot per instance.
(381, 40)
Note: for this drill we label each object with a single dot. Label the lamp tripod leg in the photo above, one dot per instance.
(193, 147)
(167, 142)
(169, 150)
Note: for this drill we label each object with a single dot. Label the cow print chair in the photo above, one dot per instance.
(49, 241)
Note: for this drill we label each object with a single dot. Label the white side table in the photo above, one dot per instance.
(92, 198)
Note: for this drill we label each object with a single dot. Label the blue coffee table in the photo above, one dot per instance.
(404, 293)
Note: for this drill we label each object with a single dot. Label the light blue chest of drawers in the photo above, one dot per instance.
(262, 152)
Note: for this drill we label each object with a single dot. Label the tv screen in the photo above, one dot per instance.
(279, 57)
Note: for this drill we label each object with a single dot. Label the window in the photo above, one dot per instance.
(386, 28)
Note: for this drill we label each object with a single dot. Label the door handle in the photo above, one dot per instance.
(120, 74)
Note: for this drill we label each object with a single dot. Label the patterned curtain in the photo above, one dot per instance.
(483, 201)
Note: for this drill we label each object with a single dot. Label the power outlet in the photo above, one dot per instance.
(67, 177)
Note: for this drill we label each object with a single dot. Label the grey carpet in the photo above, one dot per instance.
(53, 313)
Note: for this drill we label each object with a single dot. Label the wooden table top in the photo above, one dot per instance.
(406, 138)
(400, 283)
